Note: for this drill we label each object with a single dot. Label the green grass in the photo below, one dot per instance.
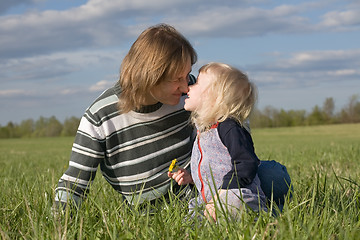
(323, 162)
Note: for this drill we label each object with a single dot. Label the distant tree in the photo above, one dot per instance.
(11, 129)
(351, 112)
(40, 126)
(316, 117)
(298, 117)
(53, 128)
(4, 132)
(47, 127)
(258, 119)
(70, 126)
(26, 128)
(283, 119)
(271, 117)
(328, 109)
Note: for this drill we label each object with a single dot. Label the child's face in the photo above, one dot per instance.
(197, 92)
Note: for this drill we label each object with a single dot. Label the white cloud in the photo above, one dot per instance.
(49, 31)
(54, 67)
(96, 23)
(28, 69)
(112, 23)
(239, 21)
(12, 92)
(313, 60)
(349, 18)
(101, 86)
(345, 72)
(69, 91)
(310, 68)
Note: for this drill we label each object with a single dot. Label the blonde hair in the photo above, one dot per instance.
(229, 95)
(160, 52)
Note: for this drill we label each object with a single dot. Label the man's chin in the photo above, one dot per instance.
(174, 102)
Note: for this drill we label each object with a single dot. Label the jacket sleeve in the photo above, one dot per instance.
(243, 158)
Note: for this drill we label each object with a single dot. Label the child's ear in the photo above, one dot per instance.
(206, 95)
(208, 90)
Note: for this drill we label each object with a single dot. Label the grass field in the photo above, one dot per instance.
(323, 162)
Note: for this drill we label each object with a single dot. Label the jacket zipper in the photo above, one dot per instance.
(199, 172)
(201, 158)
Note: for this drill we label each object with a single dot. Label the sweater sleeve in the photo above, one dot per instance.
(239, 143)
(86, 154)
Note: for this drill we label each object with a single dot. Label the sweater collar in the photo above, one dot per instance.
(149, 108)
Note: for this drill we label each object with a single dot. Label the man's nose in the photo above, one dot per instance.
(184, 85)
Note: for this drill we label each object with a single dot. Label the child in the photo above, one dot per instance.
(223, 162)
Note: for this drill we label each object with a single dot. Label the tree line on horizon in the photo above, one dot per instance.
(269, 117)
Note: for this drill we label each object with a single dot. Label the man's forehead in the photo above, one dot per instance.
(186, 70)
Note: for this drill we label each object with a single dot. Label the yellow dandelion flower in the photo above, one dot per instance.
(173, 166)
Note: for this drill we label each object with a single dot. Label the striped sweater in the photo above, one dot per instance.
(134, 149)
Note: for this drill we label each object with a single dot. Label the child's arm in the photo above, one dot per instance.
(240, 146)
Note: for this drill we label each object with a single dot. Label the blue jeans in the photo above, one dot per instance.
(275, 182)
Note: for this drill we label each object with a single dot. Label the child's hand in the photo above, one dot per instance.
(209, 212)
(181, 176)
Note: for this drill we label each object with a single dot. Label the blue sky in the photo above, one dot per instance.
(56, 57)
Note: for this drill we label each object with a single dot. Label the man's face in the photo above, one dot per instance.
(170, 91)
